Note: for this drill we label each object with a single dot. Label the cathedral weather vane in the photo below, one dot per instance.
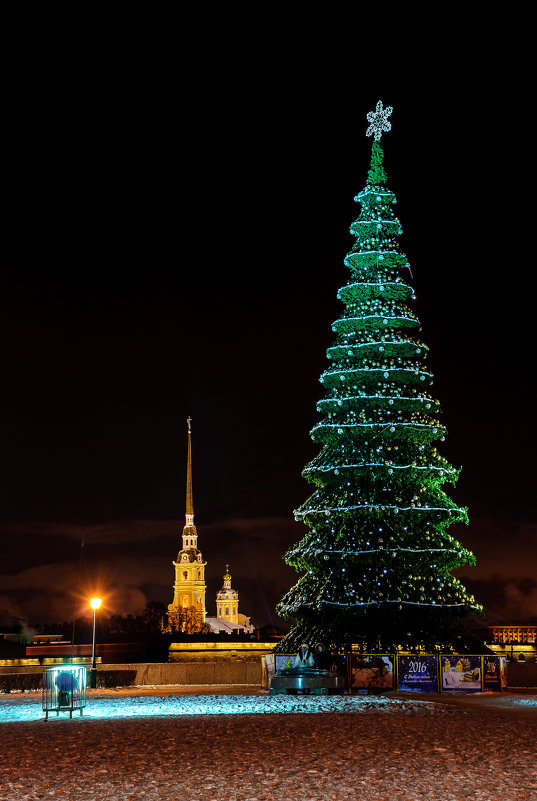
(379, 121)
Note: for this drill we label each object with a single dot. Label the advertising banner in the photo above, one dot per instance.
(503, 672)
(372, 672)
(418, 673)
(494, 673)
(270, 663)
(338, 664)
(268, 668)
(282, 661)
(460, 674)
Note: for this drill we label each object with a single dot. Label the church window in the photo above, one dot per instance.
(185, 601)
(226, 612)
(199, 575)
(185, 575)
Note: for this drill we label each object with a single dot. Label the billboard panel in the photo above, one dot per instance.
(372, 672)
(494, 672)
(282, 661)
(418, 673)
(461, 674)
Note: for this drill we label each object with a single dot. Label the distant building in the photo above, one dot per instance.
(518, 634)
(189, 587)
(228, 617)
(517, 643)
(18, 637)
(48, 639)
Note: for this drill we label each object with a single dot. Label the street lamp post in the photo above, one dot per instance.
(95, 604)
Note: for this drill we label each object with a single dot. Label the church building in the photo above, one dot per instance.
(189, 587)
(228, 617)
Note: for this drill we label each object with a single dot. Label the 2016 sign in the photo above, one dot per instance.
(418, 673)
(418, 667)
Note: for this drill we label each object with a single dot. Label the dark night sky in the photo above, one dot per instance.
(171, 244)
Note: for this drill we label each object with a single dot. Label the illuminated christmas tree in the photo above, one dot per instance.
(377, 558)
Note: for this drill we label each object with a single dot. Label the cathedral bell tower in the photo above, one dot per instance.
(189, 587)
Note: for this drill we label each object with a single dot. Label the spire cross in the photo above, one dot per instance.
(188, 421)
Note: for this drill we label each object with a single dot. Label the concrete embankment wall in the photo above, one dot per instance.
(186, 673)
(193, 672)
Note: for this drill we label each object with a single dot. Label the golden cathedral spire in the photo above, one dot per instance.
(189, 499)
(189, 586)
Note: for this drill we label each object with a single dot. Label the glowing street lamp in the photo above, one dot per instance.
(95, 604)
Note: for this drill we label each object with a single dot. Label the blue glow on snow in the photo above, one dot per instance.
(127, 706)
(525, 701)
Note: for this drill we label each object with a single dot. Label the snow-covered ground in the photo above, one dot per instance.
(127, 705)
(221, 744)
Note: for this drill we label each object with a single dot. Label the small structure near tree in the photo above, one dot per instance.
(64, 689)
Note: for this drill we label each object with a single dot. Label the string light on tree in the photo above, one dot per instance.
(376, 559)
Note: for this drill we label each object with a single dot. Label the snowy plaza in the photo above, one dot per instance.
(222, 744)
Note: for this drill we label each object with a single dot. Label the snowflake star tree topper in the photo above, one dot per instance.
(379, 121)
